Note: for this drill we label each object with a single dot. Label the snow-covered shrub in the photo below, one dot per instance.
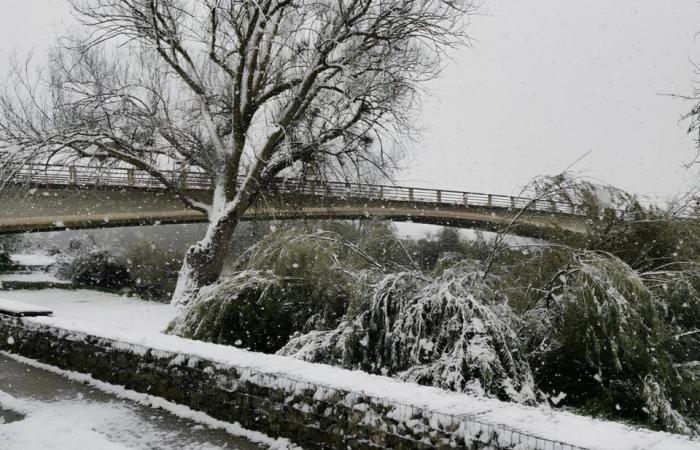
(679, 297)
(644, 236)
(250, 309)
(652, 240)
(453, 331)
(596, 340)
(97, 268)
(289, 282)
(595, 200)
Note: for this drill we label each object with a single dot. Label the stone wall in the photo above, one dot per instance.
(312, 416)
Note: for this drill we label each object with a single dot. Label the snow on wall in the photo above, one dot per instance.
(276, 394)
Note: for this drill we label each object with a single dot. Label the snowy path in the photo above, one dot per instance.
(139, 323)
(32, 277)
(76, 309)
(63, 414)
(33, 259)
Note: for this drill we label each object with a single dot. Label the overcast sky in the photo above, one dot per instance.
(544, 82)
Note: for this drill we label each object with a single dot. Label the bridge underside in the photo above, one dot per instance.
(60, 207)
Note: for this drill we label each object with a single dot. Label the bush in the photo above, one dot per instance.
(97, 268)
(596, 340)
(289, 282)
(453, 331)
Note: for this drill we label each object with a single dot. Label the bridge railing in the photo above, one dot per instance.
(129, 177)
(420, 195)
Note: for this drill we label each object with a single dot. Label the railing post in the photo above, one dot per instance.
(439, 196)
(466, 198)
(313, 187)
(183, 180)
(72, 175)
(410, 194)
(489, 199)
(381, 192)
(130, 177)
(512, 203)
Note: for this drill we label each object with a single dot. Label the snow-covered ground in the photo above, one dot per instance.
(33, 277)
(34, 270)
(137, 322)
(80, 309)
(33, 259)
(66, 412)
(20, 308)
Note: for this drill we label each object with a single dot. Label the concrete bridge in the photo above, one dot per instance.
(47, 198)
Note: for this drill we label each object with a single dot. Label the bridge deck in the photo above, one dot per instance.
(51, 197)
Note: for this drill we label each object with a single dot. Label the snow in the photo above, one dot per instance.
(139, 323)
(73, 416)
(21, 308)
(13, 404)
(98, 310)
(49, 430)
(33, 277)
(33, 259)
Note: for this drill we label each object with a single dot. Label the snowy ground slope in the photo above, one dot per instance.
(137, 322)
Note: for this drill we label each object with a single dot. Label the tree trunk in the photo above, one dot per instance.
(203, 261)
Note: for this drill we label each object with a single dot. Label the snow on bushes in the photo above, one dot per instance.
(590, 332)
(595, 200)
(597, 341)
(453, 331)
(679, 294)
(289, 282)
(229, 313)
(96, 268)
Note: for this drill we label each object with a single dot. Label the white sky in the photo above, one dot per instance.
(544, 82)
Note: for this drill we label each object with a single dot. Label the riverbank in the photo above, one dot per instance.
(116, 328)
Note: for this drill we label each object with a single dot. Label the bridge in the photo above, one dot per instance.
(49, 197)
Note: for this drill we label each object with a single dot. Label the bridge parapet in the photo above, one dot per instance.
(192, 180)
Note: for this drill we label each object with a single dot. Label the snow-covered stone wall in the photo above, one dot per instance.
(312, 415)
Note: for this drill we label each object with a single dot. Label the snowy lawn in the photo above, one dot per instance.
(137, 322)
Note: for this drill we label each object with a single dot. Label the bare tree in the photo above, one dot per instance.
(242, 90)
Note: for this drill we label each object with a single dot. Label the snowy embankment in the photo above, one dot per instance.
(139, 323)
